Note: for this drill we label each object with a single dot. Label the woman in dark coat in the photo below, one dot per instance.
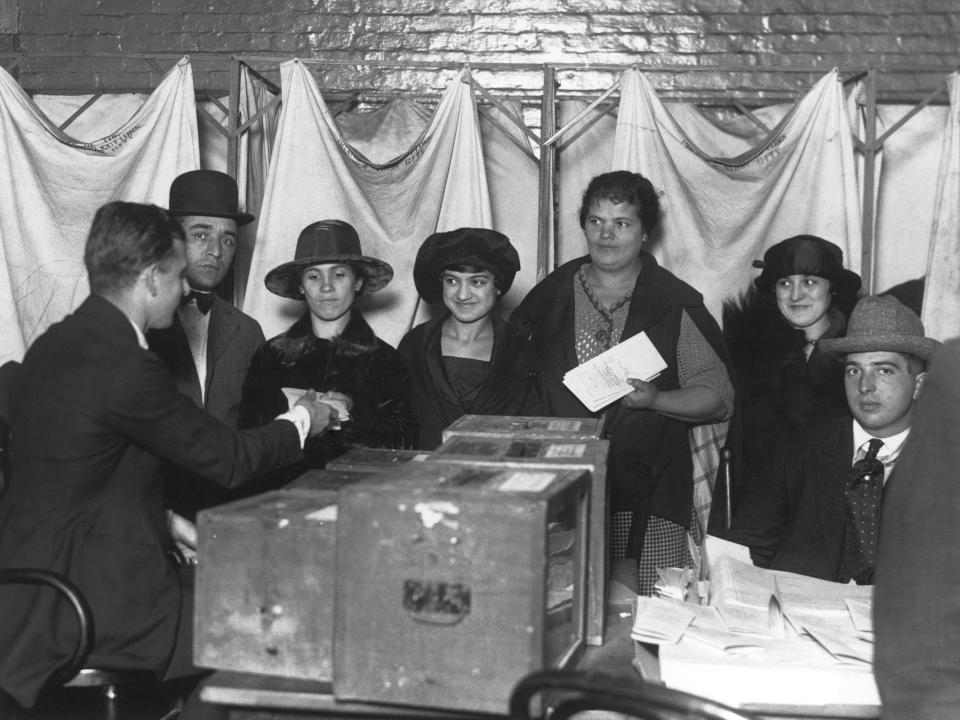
(332, 349)
(803, 295)
(467, 360)
(590, 304)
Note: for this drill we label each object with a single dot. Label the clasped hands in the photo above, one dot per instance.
(326, 409)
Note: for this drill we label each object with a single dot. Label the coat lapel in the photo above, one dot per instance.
(833, 463)
(224, 325)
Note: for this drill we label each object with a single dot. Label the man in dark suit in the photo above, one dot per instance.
(819, 513)
(94, 415)
(210, 343)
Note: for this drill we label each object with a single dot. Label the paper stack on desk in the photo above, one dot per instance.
(603, 379)
(767, 638)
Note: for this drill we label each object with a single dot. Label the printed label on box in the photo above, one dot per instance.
(570, 450)
(528, 481)
(563, 425)
(324, 514)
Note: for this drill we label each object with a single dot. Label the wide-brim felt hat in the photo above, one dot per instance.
(806, 255)
(487, 249)
(207, 193)
(323, 243)
(882, 323)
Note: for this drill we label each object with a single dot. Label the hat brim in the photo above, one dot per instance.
(284, 280)
(922, 347)
(240, 218)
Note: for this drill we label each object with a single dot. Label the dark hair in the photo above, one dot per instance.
(622, 186)
(124, 239)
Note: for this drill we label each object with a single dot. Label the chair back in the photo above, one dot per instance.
(567, 693)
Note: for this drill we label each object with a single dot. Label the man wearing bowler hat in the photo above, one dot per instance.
(210, 344)
(819, 512)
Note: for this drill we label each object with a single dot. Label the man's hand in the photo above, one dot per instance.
(322, 416)
(184, 534)
(643, 396)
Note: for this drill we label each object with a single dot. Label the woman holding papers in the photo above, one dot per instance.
(590, 304)
(466, 360)
(804, 295)
(332, 350)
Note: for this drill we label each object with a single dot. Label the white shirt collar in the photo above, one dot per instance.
(141, 338)
(891, 445)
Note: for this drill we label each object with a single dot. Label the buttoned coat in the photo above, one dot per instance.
(94, 416)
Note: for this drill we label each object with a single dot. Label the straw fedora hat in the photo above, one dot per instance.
(487, 249)
(207, 193)
(325, 242)
(883, 323)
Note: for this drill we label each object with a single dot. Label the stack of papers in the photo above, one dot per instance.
(603, 379)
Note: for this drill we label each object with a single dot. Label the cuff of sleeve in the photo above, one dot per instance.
(300, 417)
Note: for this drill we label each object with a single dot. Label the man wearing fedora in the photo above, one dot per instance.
(819, 512)
(209, 346)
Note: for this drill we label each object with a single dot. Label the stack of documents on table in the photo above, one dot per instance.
(603, 379)
(766, 638)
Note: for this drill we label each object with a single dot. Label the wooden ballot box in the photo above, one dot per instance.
(454, 582)
(364, 458)
(519, 426)
(264, 586)
(554, 452)
(332, 479)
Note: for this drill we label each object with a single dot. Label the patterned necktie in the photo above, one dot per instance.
(204, 300)
(862, 494)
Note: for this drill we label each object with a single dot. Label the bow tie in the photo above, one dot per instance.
(204, 300)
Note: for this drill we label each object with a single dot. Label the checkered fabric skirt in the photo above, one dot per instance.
(664, 545)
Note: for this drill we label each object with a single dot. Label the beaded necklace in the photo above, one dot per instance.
(604, 335)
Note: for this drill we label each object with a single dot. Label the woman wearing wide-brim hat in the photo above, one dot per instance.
(467, 360)
(803, 295)
(332, 349)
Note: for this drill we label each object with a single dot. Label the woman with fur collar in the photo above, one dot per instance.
(803, 295)
(332, 350)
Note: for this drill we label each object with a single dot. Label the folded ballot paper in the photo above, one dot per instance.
(603, 379)
(343, 413)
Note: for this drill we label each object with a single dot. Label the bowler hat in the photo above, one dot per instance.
(207, 193)
(882, 323)
(325, 242)
(806, 255)
(487, 249)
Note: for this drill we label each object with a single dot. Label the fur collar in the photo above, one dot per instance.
(356, 339)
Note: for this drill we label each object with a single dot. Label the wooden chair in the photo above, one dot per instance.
(567, 693)
(96, 692)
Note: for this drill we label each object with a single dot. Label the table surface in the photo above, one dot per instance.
(619, 656)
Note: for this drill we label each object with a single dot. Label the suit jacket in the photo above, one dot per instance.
(916, 607)
(796, 521)
(233, 339)
(94, 416)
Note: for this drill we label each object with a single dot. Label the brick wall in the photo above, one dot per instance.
(695, 34)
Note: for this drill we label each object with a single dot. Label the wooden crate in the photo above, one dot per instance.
(519, 426)
(264, 588)
(454, 582)
(332, 479)
(535, 453)
(364, 458)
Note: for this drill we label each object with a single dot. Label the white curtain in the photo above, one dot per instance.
(438, 184)
(941, 298)
(51, 184)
